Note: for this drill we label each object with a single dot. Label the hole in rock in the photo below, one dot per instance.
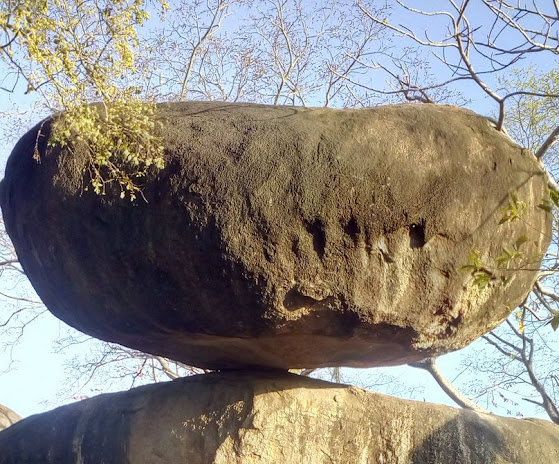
(417, 235)
(295, 300)
(352, 229)
(295, 247)
(316, 229)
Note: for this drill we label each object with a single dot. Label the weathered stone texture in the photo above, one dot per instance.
(7, 417)
(284, 237)
(237, 418)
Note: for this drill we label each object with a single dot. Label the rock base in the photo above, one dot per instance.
(274, 418)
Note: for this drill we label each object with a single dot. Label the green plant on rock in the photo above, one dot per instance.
(481, 274)
(513, 256)
(119, 140)
(514, 210)
(550, 201)
(73, 52)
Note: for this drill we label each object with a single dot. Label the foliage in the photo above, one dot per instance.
(481, 274)
(120, 141)
(550, 201)
(73, 52)
(514, 210)
(534, 108)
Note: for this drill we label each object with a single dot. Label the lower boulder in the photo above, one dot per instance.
(272, 417)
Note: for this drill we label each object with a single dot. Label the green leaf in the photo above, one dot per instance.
(482, 279)
(508, 250)
(520, 241)
(514, 210)
(554, 196)
(546, 205)
(475, 259)
(503, 260)
(555, 322)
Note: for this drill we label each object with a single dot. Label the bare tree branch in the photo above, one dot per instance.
(549, 142)
(430, 366)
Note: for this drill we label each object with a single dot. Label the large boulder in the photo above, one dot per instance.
(7, 417)
(284, 237)
(271, 418)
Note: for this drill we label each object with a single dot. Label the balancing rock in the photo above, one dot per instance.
(270, 418)
(285, 237)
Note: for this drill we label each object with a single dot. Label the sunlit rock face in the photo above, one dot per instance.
(7, 417)
(285, 237)
(247, 418)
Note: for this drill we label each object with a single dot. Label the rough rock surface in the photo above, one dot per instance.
(271, 418)
(284, 237)
(7, 417)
